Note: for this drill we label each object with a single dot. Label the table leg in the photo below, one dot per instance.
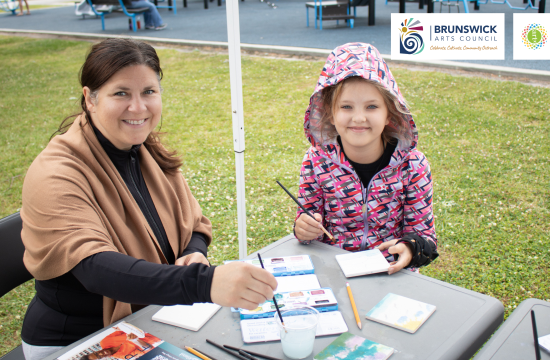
(401, 6)
(206, 4)
(542, 5)
(430, 6)
(219, 2)
(184, 3)
(170, 4)
(156, 3)
(476, 6)
(421, 4)
(371, 12)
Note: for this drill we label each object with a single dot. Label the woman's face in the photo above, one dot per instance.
(127, 107)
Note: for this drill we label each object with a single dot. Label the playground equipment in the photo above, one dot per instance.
(9, 5)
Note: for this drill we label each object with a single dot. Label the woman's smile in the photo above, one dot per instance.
(127, 108)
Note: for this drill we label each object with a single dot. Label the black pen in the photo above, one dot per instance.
(274, 301)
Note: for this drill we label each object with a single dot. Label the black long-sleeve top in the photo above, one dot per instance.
(70, 307)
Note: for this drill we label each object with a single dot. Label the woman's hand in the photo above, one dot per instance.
(308, 229)
(404, 252)
(189, 259)
(243, 285)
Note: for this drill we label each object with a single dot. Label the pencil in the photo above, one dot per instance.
(251, 353)
(304, 209)
(226, 350)
(535, 335)
(274, 301)
(205, 354)
(357, 318)
(195, 352)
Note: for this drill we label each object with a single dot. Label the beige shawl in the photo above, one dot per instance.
(75, 204)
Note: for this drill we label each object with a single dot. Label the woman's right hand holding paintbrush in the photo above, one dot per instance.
(307, 229)
(241, 285)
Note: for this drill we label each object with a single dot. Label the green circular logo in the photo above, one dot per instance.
(534, 36)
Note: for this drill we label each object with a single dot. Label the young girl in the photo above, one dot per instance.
(363, 178)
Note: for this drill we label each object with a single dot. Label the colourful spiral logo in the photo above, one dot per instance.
(534, 36)
(411, 41)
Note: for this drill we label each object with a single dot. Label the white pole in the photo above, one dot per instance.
(235, 76)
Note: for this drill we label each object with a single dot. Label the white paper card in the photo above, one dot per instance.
(191, 317)
(260, 330)
(544, 342)
(297, 283)
(362, 263)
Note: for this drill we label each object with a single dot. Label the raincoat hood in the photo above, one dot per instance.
(352, 59)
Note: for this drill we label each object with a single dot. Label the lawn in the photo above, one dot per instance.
(487, 143)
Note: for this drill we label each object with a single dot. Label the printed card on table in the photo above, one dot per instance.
(401, 312)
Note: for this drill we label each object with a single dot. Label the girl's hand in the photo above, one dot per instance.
(189, 259)
(404, 252)
(308, 229)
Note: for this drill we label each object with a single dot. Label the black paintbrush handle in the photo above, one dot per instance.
(296, 200)
(227, 351)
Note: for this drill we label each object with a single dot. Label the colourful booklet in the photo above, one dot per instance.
(284, 265)
(350, 347)
(322, 299)
(125, 341)
(401, 312)
(362, 263)
(263, 330)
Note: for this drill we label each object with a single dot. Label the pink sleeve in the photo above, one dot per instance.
(418, 215)
(310, 193)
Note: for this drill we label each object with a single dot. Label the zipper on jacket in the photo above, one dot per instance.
(147, 213)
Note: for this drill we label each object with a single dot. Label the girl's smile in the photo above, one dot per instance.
(360, 117)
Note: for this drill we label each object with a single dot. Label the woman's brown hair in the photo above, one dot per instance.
(103, 61)
(398, 127)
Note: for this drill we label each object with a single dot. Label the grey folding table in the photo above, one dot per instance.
(462, 322)
(514, 339)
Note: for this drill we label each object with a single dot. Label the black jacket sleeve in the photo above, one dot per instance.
(124, 278)
(196, 244)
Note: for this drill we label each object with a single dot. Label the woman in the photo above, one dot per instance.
(107, 213)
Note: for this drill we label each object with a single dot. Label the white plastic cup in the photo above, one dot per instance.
(298, 334)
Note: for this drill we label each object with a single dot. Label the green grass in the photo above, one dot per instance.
(487, 142)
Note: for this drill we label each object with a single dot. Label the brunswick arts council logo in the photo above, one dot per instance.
(411, 41)
(534, 36)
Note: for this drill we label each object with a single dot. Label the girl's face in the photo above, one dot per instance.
(128, 106)
(360, 116)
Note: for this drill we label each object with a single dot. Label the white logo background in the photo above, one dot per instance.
(522, 52)
(452, 50)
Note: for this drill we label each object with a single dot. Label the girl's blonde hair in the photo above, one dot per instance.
(398, 126)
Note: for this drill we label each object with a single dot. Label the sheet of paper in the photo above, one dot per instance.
(260, 330)
(297, 283)
(191, 317)
(362, 263)
(544, 342)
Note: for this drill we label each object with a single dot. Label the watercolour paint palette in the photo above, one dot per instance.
(321, 299)
(401, 312)
(263, 330)
(284, 265)
(350, 347)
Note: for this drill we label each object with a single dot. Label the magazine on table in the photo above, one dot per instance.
(128, 342)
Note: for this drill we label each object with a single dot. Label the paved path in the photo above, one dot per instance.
(260, 24)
